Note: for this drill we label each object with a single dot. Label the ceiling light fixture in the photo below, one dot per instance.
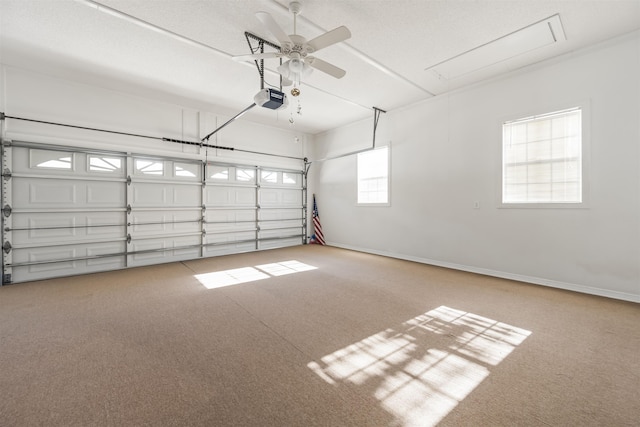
(295, 70)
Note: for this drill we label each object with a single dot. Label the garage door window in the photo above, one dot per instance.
(51, 159)
(149, 167)
(245, 175)
(104, 164)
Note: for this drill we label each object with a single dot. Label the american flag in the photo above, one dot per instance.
(318, 237)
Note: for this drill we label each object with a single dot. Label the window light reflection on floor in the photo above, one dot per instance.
(219, 279)
(422, 370)
(285, 267)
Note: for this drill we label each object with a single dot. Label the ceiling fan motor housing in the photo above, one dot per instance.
(295, 7)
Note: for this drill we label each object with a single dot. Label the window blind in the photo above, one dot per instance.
(373, 176)
(542, 158)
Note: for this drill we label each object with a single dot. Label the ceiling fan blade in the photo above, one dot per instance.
(272, 26)
(254, 56)
(334, 36)
(325, 67)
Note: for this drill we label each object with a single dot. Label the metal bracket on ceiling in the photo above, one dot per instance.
(307, 165)
(376, 117)
(260, 49)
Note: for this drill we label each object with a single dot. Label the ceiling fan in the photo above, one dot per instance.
(298, 50)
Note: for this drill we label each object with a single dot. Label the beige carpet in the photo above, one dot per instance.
(311, 336)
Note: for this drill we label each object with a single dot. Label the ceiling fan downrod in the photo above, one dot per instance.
(295, 7)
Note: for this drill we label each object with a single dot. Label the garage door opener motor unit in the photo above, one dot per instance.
(267, 98)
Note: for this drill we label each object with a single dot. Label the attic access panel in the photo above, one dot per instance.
(534, 36)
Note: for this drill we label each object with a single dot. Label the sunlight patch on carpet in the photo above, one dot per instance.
(422, 370)
(220, 279)
(285, 267)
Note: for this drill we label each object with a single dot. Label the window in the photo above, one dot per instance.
(105, 164)
(245, 175)
(220, 173)
(542, 159)
(373, 176)
(50, 159)
(289, 178)
(269, 177)
(186, 170)
(149, 167)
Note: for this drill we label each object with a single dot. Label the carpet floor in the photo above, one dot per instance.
(313, 336)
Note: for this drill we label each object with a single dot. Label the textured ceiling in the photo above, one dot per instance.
(393, 42)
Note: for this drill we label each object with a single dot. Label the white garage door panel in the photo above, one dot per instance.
(147, 194)
(43, 193)
(280, 197)
(64, 252)
(186, 195)
(229, 220)
(98, 224)
(75, 211)
(48, 194)
(230, 248)
(47, 254)
(280, 232)
(162, 250)
(106, 249)
(147, 223)
(68, 260)
(297, 224)
(66, 219)
(105, 194)
(280, 243)
(230, 196)
(280, 214)
(39, 228)
(64, 236)
(230, 237)
(231, 229)
(229, 215)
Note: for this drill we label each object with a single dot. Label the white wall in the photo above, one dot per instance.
(446, 155)
(35, 95)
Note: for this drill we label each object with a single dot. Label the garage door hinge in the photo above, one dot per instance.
(128, 179)
(6, 174)
(6, 247)
(6, 211)
(6, 279)
(128, 209)
(128, 238)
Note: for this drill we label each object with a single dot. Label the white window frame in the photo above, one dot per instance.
(358, 157)
(585, 108)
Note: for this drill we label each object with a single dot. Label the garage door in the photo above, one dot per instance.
(69, 211)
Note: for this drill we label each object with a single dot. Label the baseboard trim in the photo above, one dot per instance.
(500, 274)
